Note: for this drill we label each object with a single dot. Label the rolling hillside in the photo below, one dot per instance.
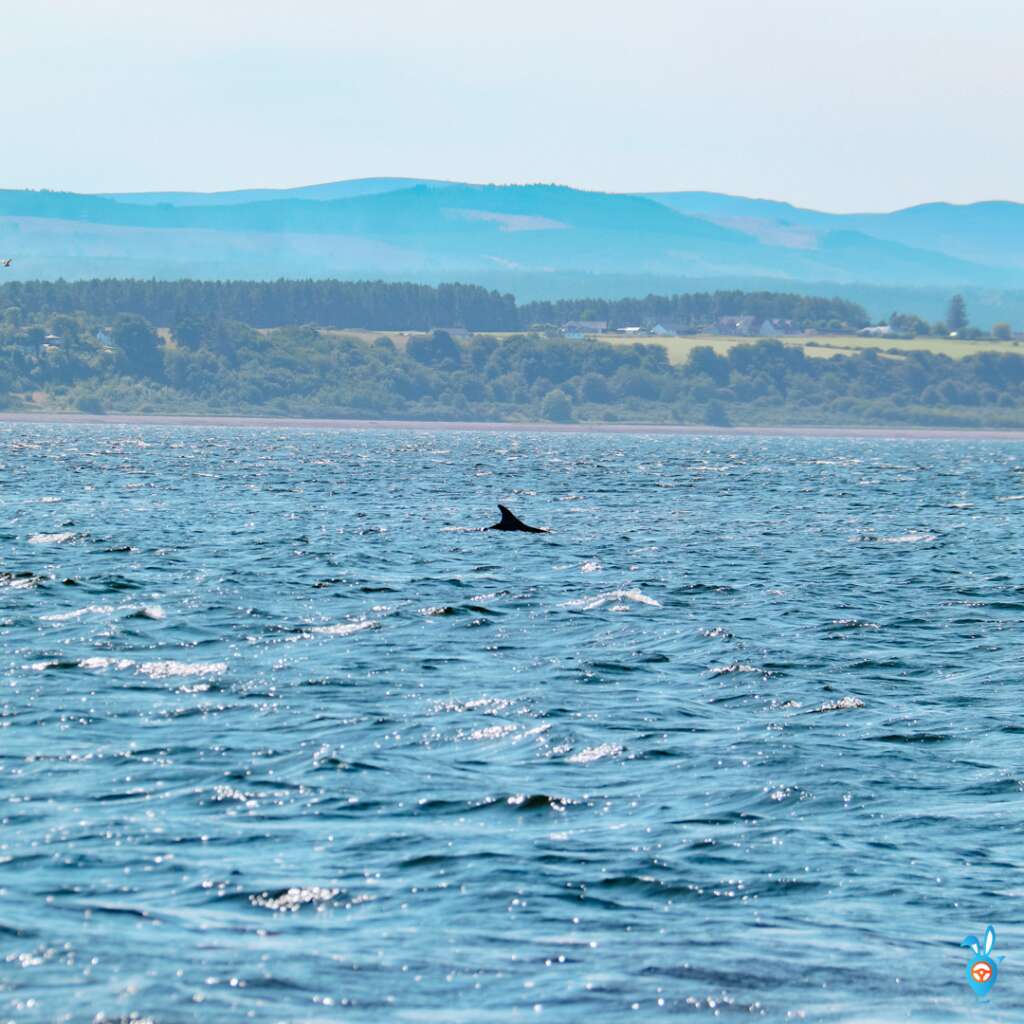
(989, 233)
(511, 237)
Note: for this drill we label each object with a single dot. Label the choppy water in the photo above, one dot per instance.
(280, 740)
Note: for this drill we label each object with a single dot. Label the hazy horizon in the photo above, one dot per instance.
(867, 109)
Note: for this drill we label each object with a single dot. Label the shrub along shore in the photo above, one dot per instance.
(228, 368)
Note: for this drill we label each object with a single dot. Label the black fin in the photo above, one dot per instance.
(511, 522)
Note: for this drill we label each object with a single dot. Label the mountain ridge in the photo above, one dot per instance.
(422, 228)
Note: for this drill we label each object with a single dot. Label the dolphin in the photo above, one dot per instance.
(511, 522)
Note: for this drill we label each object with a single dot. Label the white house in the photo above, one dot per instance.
(745, 326)
(668, 329)
(581, 328)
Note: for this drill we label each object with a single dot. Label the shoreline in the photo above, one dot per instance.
(283, 422)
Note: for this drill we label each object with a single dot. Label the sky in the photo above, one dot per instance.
(872, 105)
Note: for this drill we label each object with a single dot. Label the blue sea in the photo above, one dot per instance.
(285, 737)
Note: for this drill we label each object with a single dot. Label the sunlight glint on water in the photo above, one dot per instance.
(281, 737)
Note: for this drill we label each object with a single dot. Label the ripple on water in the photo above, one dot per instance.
(235, 786)
(616, 600)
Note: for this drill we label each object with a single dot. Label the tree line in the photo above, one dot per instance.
(221, 366)
(382, 305)
(371, 304)
(697, 309)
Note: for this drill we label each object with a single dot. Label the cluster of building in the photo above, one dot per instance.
(731, 326)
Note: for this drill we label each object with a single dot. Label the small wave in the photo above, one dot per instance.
(51, 538)
(617, 598)
(149, 611)
(99, 663)
(736, 666)
(538, 801)
(345, 628)
(594, 566)
(717, 633)
(289, 900)
(157, 669)
(166, 669)
(93, 609)
(485, 705)
(913, 737)
(904, 538)
(595, 753)
(843, 704)
(20, 580)
(491, 732)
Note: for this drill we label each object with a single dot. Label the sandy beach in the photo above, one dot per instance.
(133, 419)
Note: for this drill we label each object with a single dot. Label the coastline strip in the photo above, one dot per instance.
(283, 422)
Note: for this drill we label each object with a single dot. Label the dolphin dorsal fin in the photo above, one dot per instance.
(509, 520)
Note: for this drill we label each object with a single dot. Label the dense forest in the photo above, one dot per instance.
(372, 304)
(207, 364)
(697, 309)
(380, 305)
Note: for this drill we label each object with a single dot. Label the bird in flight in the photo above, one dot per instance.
(6, 263)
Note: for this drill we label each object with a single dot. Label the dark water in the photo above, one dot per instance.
(281, 741)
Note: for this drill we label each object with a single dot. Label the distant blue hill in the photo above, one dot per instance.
(328, 190)
(407, 228)
(989, 233)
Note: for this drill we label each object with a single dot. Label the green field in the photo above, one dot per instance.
(825, 346)
(816, 346)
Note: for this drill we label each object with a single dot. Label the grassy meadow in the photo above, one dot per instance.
(815, 346)
(826, 346)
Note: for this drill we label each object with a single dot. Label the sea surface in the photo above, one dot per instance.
(285, 737)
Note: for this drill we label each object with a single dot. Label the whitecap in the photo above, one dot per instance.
(595, 753)
(291, 899)
(492, 732)
(51, 538)
(618, 599)
(843, 704)
(345, 628)
(913, 537)
(486, 705)
(165, 669)
(100, 663)
(717, 633)
(736, 666)
(593, 566)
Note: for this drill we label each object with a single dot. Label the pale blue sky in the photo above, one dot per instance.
(841, 106)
